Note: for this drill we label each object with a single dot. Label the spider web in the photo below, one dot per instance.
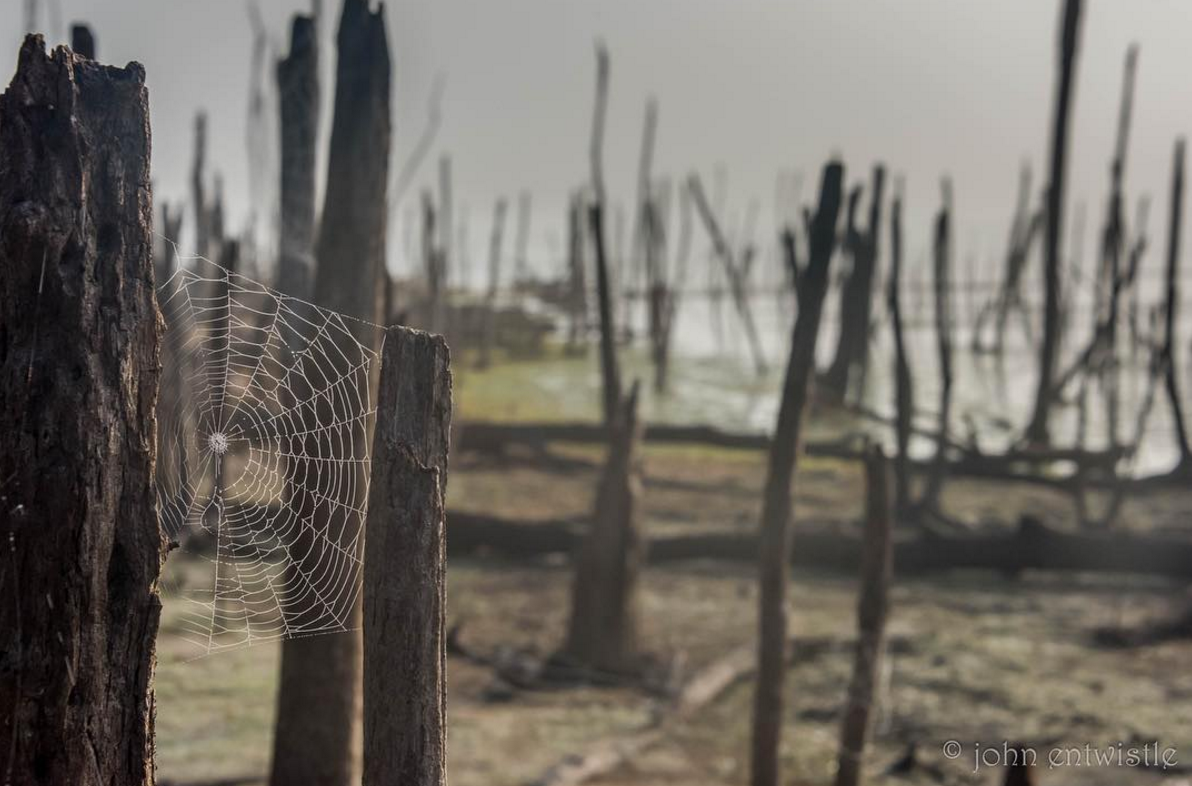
(264, 423)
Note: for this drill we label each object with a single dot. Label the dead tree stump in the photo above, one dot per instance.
(602, 631)
(80, 548)
(877, 565)
(318, 720)
(298, 101)
(775, 533)
(405, 700)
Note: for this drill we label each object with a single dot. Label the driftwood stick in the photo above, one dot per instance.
(775, 527)
(877, 565)
(405, 699)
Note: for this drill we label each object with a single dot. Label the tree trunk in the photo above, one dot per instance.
(521, 243)
(943, 332)
(903, 382)
(775, 531)
(1171, 312)
(603, 629)
(298, 96)
(79, 341)
(494, 280)
(1038, 432)
(317, 737)
(852, 346)
(577, 301)
(877, 565)
(198, 188)
(609, 369)
(405, 699)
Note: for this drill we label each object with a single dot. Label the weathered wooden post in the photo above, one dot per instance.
(405, 700)
(877, 566)
(317, 738)
(80, 547)
(298, 100)
(775, 534)
(1038, 432)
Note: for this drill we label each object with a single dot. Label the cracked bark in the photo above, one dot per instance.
(405, 726)
(80, 548)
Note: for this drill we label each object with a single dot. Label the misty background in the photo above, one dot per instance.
(930, 87)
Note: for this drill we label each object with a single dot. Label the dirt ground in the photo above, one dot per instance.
(974, 657)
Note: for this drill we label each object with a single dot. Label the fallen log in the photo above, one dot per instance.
(1018, 465)
(1031, 546)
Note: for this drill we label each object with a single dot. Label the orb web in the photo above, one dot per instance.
(264, 421)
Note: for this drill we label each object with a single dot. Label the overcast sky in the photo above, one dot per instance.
(927, 86)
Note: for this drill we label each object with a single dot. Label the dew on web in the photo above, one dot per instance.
(264, 421)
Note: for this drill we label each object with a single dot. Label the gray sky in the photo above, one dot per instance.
(928, 86)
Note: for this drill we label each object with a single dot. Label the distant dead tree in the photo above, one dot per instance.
(775, 530)
(82, 40)
(903, 382)
(405, 741)
(639, 274)
(577, 291)
(446, 224)
(82, 550)
(198, 188)
(856, 296)
(1038, 432)
(602, 630)
(317, 737)
(665, 283)
(610, 370)
(877, 566)
(1171, 311)
(298, 102)
(942, 280)
(494, 280)
(1117, 273)
(1024, 228)
(734, 270)
(521, 241)
(432, 264)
